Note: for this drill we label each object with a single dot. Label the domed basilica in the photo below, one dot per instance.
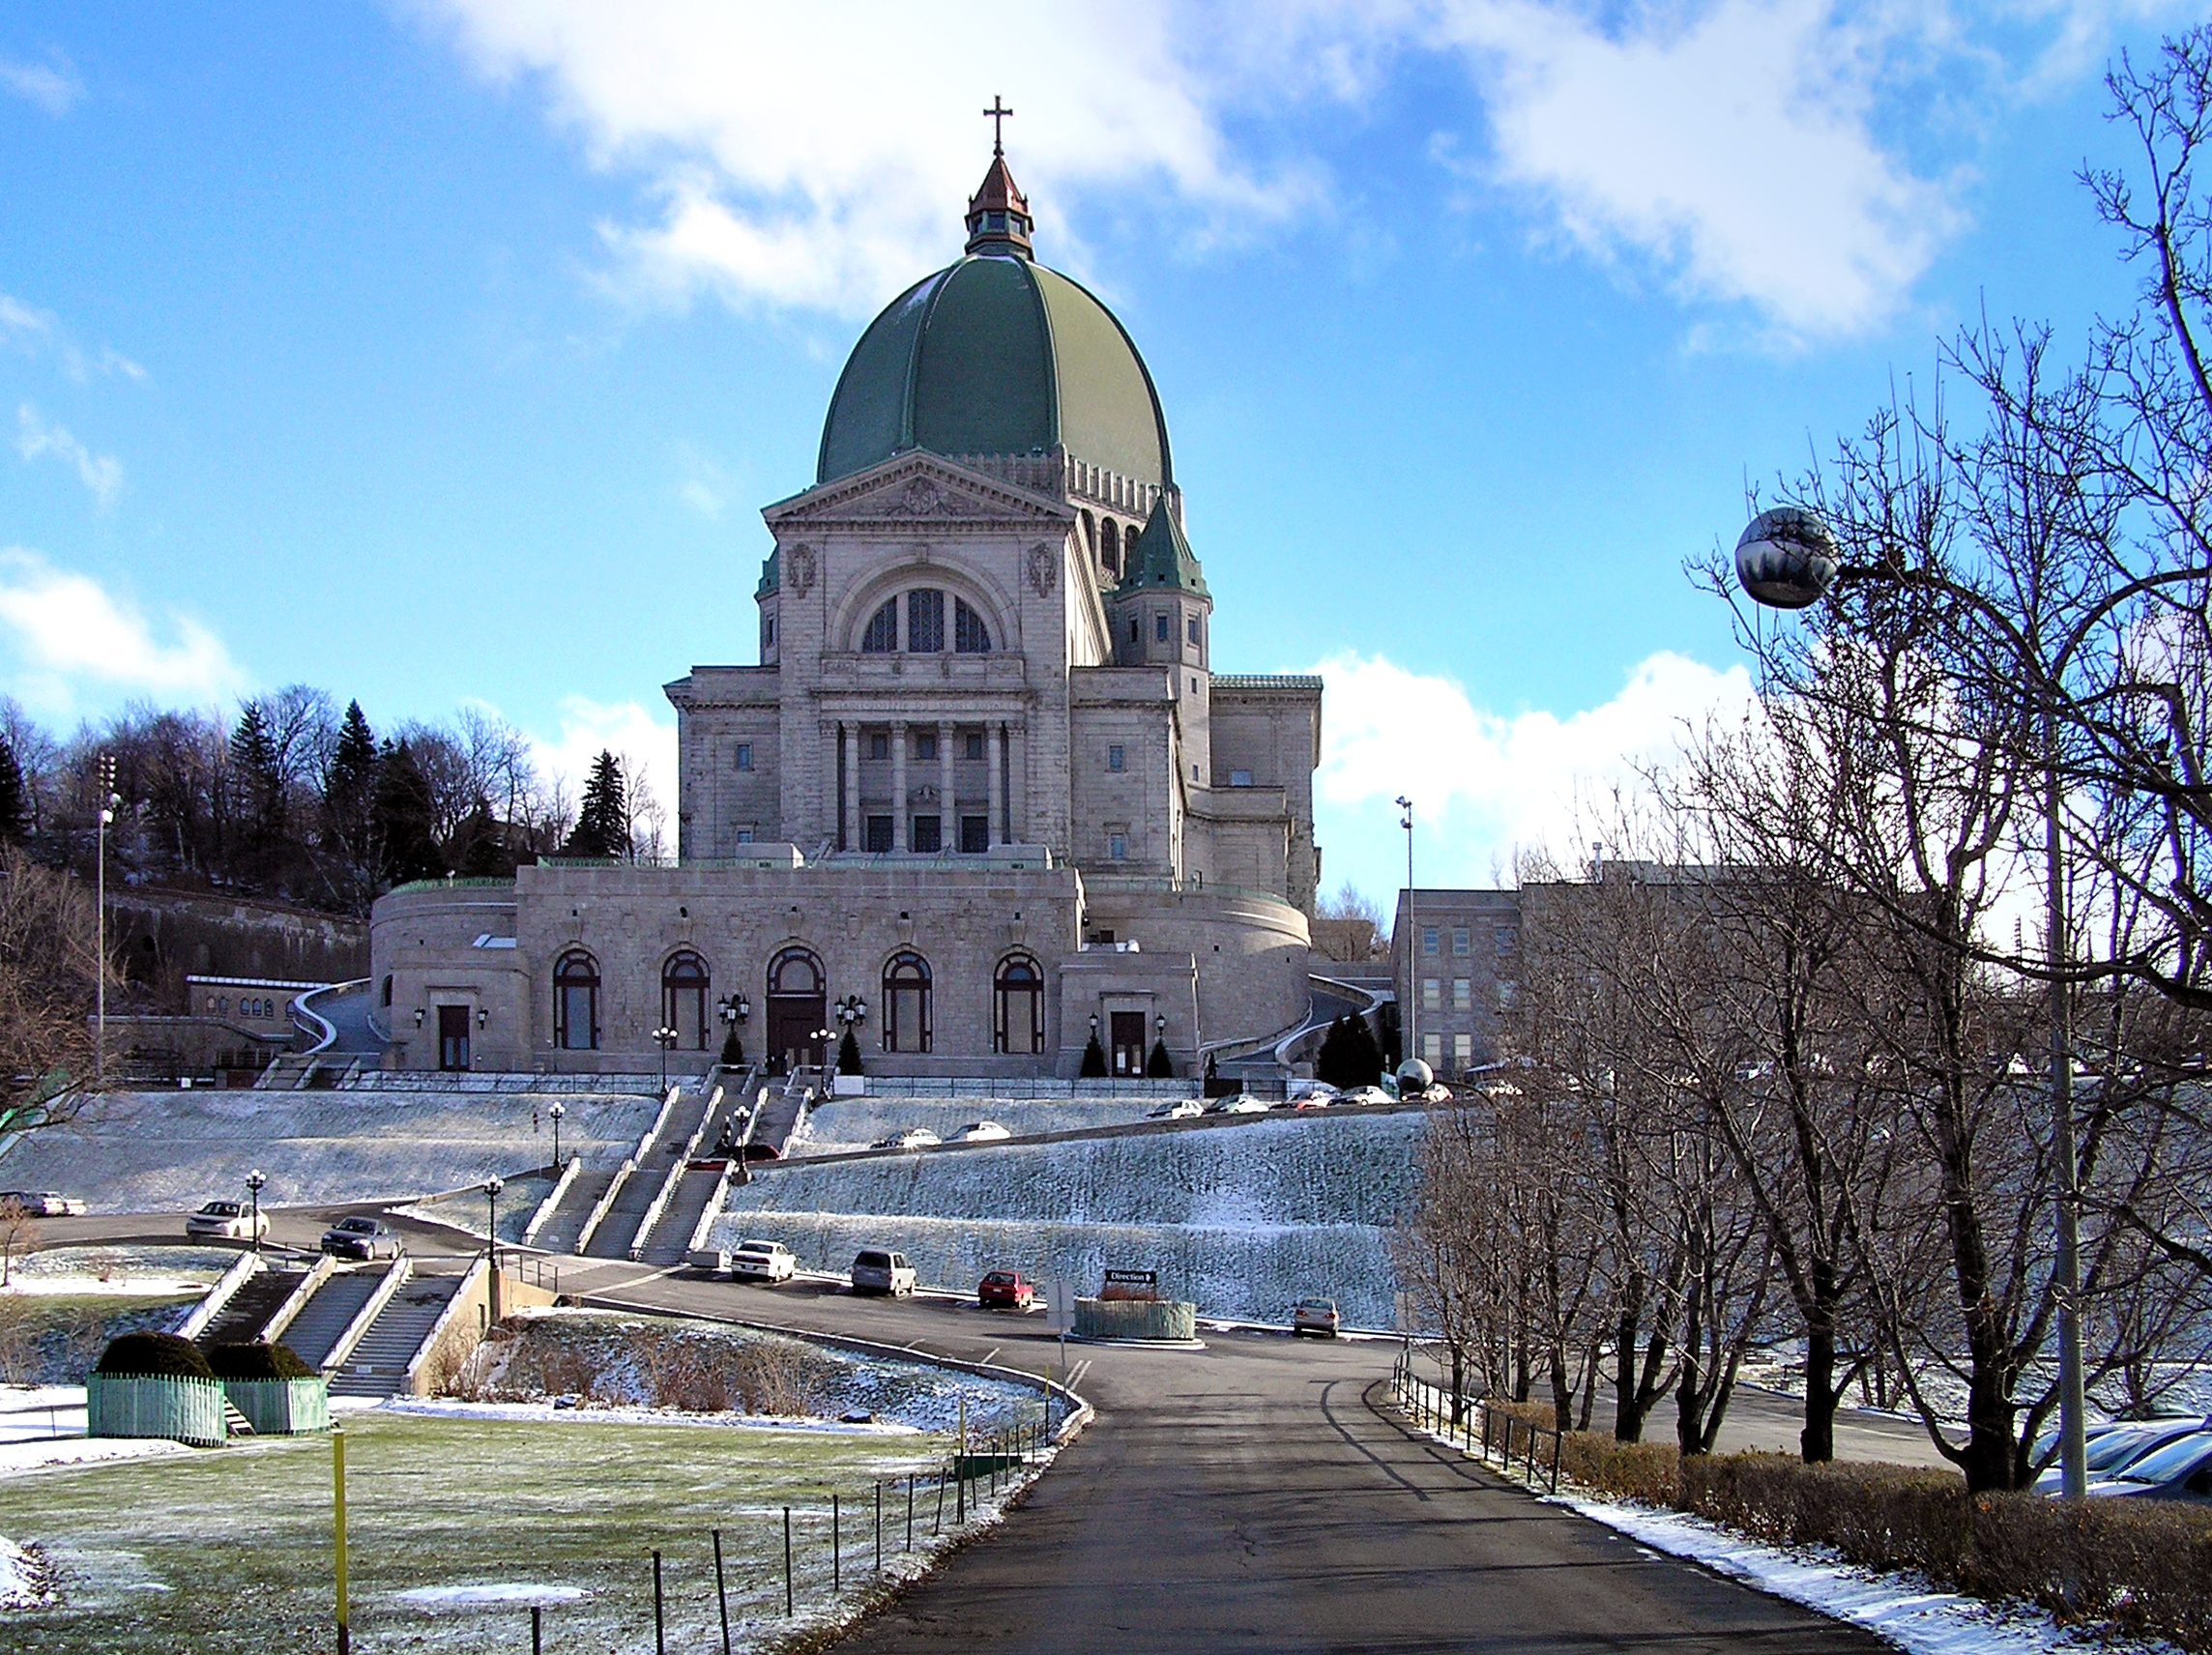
(983, 795)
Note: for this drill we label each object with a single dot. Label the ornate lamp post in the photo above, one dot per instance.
(491, 1188)
(557, 1110)
(665, 1038)
(254, 1184)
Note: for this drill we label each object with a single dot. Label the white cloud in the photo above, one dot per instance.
(1483, 784)
(52, 87)
(646, 746)
(70, 631)
(35, 438)
(35, 332)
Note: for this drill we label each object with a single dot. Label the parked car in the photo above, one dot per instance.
(769, 1261)
(2115, 1447)
(1006, 1290)
(45, 1203)
(1315, 1316)
(1366, 1095)
(361, 1239)
(1314, 1100)
(980, 1132)
(1242, 1104)
(231, 1220)
(1182, 1108)
(760, 1153)
(2180, 1470)
(912, 1137)
(874, 1271)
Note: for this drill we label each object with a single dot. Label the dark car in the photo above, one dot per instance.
(1006, 1290)
(361, 1239)
(2180, 1470)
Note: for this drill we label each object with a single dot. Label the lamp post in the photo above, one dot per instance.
(491, 1188)
(254, 1184)
(1786, 559)
(1412, 941)
(557, 1110)
(665, 1038)
(109, 800)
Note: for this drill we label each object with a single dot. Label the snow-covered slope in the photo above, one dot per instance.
(840, 1124)
(1239, 1219)
(151, 1151)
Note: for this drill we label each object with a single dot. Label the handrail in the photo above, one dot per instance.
(604, 1206)
(403, 1267)
(1457, 1424)
(569, 1174)
(659, 1204)
(286, 1312)
(439, 1327)
(300, 1009)
(470, 881)
(219, 1294)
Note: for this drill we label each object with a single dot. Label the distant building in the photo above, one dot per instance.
(1455, 963)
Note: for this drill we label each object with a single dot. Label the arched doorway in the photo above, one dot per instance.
(906, 1009)
(797, 1008)
(684, 982)
(576, 1001)
(1018, 1005)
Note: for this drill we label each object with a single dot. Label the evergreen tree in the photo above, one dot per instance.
(259, 779)
(402, 815)
(1388, 1035)
(1159, 1066)
(1328, 1062)
(848, 1054)
(733, 1049)
(1095, 1059)
(349, 784)
(602, 821)
(14, 812)
(1362, 1056)
(480, 848)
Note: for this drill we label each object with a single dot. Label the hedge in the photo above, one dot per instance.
(257, 1359)
(2143, 1566)
(154, 1356)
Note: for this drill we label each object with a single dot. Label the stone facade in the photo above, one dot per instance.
(1454, 962)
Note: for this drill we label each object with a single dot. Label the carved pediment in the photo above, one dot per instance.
(912, 490)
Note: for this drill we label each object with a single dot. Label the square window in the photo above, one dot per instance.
(926, 836)
(744, 755)
(879, 747)
(1462, 995)
(975, 834)
(975, 743)
(1239, 778)
(1427, 938)
(1116, 844)
(1113, 758)
(878, 836)
(744, 836)
(1160, 629)
(1460, 941)
(1432, 993)
(925, 744)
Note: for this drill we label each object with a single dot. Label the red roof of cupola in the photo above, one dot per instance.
(998, 218)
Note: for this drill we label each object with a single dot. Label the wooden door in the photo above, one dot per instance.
(1129, 1043)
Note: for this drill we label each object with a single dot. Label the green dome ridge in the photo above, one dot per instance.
(996, 355)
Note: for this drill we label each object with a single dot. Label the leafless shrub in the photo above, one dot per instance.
(20, 1322)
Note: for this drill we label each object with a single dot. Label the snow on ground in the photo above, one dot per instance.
(1240, 1220)
(520, 1593)
(839, 1125)
(547, 1413)
(467, 1210)
(153, 1152)
(129, 1266)
(25, 1581)
(19, 1458)
(37, 1414)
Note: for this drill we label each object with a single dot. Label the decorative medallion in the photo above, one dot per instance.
(1044, 569)
(799, 569)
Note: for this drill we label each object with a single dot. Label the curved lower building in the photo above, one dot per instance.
(982, 796)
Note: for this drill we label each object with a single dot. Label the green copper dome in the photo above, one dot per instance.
(996, 355)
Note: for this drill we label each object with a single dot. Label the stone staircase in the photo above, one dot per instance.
(670, 1238)
(377, 1366)
(249, 1308)
(558, 1235)
(320, 1324)
(619, 1229)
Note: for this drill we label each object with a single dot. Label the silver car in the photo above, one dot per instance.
(878, 1271)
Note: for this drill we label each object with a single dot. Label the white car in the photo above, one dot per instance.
(1183, 1109)
(1366, 1095)
(912, 1137)
(981, 1132)
(769, 1261)
(1240, 1104)
(230, 1220)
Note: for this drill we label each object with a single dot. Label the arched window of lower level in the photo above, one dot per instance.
(576, 1002)
(684, 982)
(906, 1004)
(1018, 1005)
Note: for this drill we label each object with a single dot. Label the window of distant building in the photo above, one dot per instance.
(1114, 757)
(1460, 941)
(1190, 626)
(879, 747)
(1159, 628)
(1239, 778)
(925, 834)
(925, 744)
(1432, 995)
(1432, 1049)
(975, 834)
(975, 743)
(1508, 995)
(1506, 941)
(1116, 844)
(925, 622)
(1462, 1050)
(1018, 1005)
(683, 985)
(576, 1002)
(1110, 548)
(768, 631)
(906, 1004)
(1462, 995)
(744, 755)
(1134, 635)
(746, 834)
(877, 835)
(1427, 938)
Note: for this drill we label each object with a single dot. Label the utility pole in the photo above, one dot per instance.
(109, 799)
(1411, 1020)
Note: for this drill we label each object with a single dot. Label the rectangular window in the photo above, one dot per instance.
(1432, 993)
(1191, 626)
(1133, 634)
(925, 744)
(975, 743)
(1159, 628)
(744, 755)
(744, 836)
(1113, 758)
(878, 836)
(1462, 995)
(1427, 938)
(768, 631)
(924, 622)
(1506, 941)
(975, 834)
(1239, 778)
(926, 837)
(1432, 1049)
(1116, 844)
(1460, 941)
(879, 747)
(1508, 995)
(1462, 1050)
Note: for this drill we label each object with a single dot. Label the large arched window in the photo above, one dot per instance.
(576, 1002)
(683, 981)
(1110, 548)
(1018, 1005)
(881, 636)
(971, 636)
(798, 1009)
(905, 1002)
(925, 622)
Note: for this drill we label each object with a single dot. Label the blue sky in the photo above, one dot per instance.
(445, 352)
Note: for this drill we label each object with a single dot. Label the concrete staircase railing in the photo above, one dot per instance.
(224, 1289)
(604, 1206)
(288, 1311)
(394, 1279)
(675, 1175)
(560, 1186)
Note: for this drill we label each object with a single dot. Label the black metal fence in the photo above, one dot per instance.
(1481, 1427)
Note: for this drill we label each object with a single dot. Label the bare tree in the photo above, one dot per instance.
(49, 965)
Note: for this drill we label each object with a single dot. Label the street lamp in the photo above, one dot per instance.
(665, 1038)
(110, 801)
(491, 1188)
(254, 1184)
(1786, 559)
(1412, 939)
(556, 1111)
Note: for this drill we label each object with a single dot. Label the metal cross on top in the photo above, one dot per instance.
(997, 113)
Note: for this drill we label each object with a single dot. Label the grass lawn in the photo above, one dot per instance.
(229, 1549)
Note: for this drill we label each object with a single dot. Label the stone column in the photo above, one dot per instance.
(948, 812)
(849, 827)
(995, 755)
(899, 784)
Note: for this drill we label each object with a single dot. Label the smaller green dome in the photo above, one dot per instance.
(1161, 557)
